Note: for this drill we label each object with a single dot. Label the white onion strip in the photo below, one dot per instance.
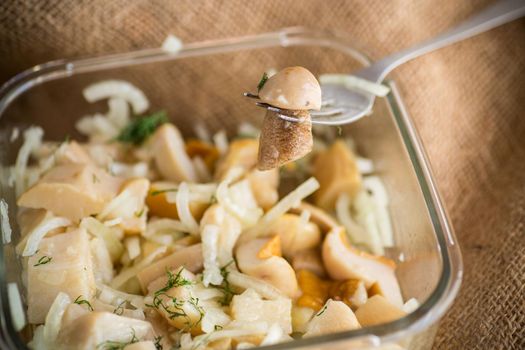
(286, 203)
(352, 82)
(183, 209)
(16, 306)
(4, 222)
(117, 88)
(210, 242)
(54, 317)
(128, 273)
(35, 237)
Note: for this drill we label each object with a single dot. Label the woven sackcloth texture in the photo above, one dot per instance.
(467, 101)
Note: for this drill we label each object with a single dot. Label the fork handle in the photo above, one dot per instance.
(500, 13)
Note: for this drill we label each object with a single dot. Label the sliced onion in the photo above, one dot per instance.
(16, 306)
(286, 203)
(352, 82)
(244, 281)
(221, 141)
(54, 317)
(5, 226)
(127, 273)
(117, 88)
(210, 242)
(35, 237)
(32, 141)
(183, 209)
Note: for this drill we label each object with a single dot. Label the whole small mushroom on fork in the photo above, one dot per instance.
(286, 133)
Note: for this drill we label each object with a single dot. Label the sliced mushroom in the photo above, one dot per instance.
(241, 153)
(177, 302)
(296, 91)
(274, 270)
(378, 310)
(337, 172)
(295, 234)
(91, 330)
(63, 263)
(318, 216)
(264, 185)
(292, 88)
(334, 316)
(73, 191)
(310, 260)
(170, 155)
(129, 206)
(250, 307)
(342, 261)
(141, 345)
(72, 153)
(190, 258)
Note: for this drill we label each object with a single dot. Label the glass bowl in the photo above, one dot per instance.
(203, 83)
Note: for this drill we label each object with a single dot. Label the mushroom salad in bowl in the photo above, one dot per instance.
(139, 238)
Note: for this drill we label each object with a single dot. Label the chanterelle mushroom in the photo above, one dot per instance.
(295, 91)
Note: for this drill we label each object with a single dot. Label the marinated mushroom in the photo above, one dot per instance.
(378, 310)
(62, 264)
(295, 234)
(253, 259)
(73, 191)
(170, 155)
(92, 329)
(190, 258)
(342, 261)
(295, 91)
(334, 316)
(337, 173)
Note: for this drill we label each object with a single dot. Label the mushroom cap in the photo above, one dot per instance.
(292, 88)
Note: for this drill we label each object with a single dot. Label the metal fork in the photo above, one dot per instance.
(343, 106)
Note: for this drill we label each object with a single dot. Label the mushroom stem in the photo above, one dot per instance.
(282, 141)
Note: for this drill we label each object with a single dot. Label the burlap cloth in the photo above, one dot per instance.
(467, 100)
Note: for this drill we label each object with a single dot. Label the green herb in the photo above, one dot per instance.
(43, 260)
(213, 199)
(321, 311)
(80, 301)
(119, 310)
(173, 306)
(217, 327)
(157, 341)
(225, 285)
(156, 193)
(263, 81)
(141, 128)
(66, 139)
(95, 178)
(139, 213)
(339, 130)
(117, 345)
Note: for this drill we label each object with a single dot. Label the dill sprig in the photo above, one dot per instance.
(140, 128)
(172, 306)
(157, 340)
(43, 260)
(117, 345)
(225, 286)
(263, 81)
(321, 311)
(80, 301)
(119, 310)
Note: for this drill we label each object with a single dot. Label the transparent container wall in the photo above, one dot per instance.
(209, 89)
